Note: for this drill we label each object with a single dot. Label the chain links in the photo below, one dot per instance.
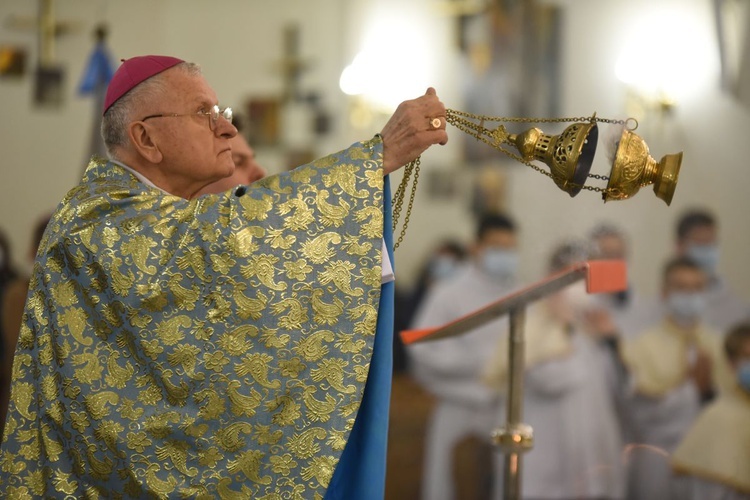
(494, 138)
(452, 113)
(398, 198)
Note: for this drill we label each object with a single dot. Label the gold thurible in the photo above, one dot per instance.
(634, 168)
(568, 156)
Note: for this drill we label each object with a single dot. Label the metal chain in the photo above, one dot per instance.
(450, 113)
(493, 138)
(497, 137)
(398, 198)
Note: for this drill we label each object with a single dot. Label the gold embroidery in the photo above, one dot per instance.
(331, 215)
(325, 313)
(318, 250)
(216, 347)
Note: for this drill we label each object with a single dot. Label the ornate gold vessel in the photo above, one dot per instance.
(569, 155)
(633, 169)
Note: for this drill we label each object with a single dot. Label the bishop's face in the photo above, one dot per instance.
(195, 151)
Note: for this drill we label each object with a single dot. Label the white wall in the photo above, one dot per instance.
(238, 43)
(43, 151)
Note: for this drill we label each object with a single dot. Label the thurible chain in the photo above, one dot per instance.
(462, 121)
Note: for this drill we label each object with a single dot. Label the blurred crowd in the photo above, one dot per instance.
(629, 397)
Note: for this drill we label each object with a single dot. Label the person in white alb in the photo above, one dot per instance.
(451, 369)
(568, 399)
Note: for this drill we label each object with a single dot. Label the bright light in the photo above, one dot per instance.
(668, 54)
(353, 79)
(395, 63)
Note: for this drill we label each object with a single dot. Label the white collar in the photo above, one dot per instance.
(139, 176)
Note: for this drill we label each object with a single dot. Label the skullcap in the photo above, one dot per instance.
(134, 71)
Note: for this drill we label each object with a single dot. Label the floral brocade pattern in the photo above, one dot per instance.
(207, 348)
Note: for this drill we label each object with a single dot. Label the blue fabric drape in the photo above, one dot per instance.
(360, 473)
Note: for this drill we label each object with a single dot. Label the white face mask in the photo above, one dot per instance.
(570, 304)
(442, 267)
(686, 308)
(499, 263)
(706, 256)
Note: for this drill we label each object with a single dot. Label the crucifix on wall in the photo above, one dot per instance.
(292, 65)
(293, 118)
(304, 112)
(49, 75)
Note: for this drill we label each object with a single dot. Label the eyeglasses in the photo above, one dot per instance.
(213, 114)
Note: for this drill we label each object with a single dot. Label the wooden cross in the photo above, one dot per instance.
(292, 65)
(47, 28)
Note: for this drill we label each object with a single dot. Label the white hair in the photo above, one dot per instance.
(119, 115)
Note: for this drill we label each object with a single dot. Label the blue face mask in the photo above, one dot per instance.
(499, 264)
(443, 267)
(743, 375)
(686, 309)
(706, 256)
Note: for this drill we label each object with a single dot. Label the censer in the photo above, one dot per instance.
(568, 156)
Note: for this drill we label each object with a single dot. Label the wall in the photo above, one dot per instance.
(44, 151)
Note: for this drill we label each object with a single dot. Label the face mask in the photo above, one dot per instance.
(706, 256)
(686, 308)
(743, 375)
(443, 267)
(499, 264)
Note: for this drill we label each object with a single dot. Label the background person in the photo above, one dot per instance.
(631, 312)
(451, 369)
(673, 369)
(569, 387)
(697, 237)
(713, 460)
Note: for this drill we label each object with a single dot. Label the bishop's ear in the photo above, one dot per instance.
(143, 141)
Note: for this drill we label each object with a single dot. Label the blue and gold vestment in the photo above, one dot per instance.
(208, 348)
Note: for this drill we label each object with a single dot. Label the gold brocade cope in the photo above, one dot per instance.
(658, 358)
(717, 446)
(208, 348)
(569, 155)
